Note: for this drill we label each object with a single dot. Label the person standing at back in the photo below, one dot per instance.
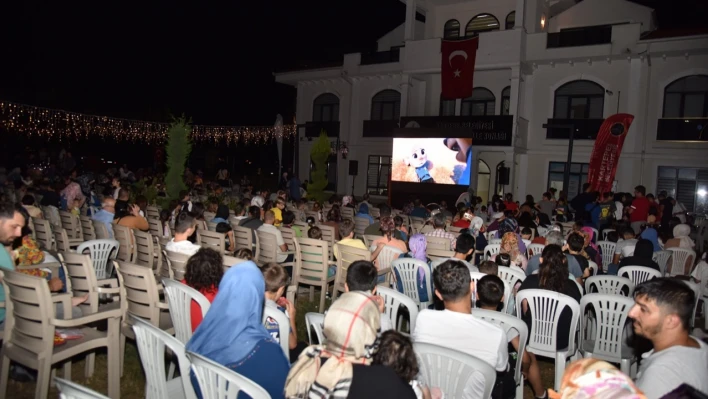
(639, 211)
(662, 313)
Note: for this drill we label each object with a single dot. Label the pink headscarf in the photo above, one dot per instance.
(591, 234)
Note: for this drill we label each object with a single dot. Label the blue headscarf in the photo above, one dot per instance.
(364, 209)
(233, 325)
(650, 234)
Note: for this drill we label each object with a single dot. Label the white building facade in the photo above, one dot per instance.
(538, 62)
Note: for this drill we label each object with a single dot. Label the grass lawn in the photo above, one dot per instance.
(133, 380)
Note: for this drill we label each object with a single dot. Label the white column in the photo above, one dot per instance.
(514, 100)
(405, 86)
(519, 14)
(409, 32)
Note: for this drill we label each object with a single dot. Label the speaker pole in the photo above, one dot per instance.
(353, 178)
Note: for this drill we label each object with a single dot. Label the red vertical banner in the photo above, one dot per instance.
(606, 153)
(457, 68)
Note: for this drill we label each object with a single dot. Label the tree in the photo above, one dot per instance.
(319, 155)
(177, 149)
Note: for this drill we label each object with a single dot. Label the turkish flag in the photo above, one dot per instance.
(607, 150)
(457, 69)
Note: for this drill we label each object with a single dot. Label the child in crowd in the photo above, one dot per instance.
(244, 253)
(228, 232)
(289, 220)
(396, 352)
(526, 233)
(276, 282)
(315, 233)
(165, 222)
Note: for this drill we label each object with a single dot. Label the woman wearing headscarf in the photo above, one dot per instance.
(643, 252)
(650, 234)
(681, 238)
(591, 248)
(348, 201)
(232, 332)
(342, 367)
(592, 378)
(364, 213)
(418, 246)
(222, 214)
(510, 246)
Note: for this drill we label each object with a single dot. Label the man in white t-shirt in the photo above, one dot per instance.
(625, 247)
(184, 227)
(282, 247)
(462, 332)
(662, 314)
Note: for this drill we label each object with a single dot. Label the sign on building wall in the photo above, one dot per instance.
(490, 130)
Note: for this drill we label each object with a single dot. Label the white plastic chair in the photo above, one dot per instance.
(608, 324)
(511, 276)
(387, 255)
(697, 296)
(679, 258)
(314, 321)
(546, 307)
(494, 241)
(393, 300)
(596, 235)
(179, 300)
(593, 267)
(452, 371)
(607, 248)
(609, 285)
(283, 328)
(662, 259)
(490, 250)
(438, 243)
(152, 344)
(72, 390)
(639, 274)
(218, 382)
(518, 325)
(605, 232)
(534, 249)
(408, 271)
(102, 253)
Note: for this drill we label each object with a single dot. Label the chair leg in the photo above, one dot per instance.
(312, 293)
(625, 366)
(44, 371)
(121, 353)
(560, 369)
(4, 375)
(67, 371)
(115, 358)
(520, 389)
(323, 295)
(90, 365)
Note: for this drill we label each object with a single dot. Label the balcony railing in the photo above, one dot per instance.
(587, 36)
(585, 129)
(313, 129)
(381, 57)
(378, 128)
(682, 129)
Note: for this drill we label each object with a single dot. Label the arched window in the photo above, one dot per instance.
(510, 20)
(480, 103)
(447, 107)
(481, 23)
(386, 106)
(452, 29)
(506, 100)
(579, 99)
(325, 108)
(687, 97)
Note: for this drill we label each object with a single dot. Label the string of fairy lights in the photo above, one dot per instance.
(60, 125)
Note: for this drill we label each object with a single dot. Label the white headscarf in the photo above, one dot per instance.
(681, 231)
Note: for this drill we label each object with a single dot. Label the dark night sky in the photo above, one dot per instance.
(212, 61)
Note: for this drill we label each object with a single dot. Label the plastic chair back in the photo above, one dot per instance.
(387, 255)
(638, 274)
(315, 321)
(609, 285)
(608, 251)
(491, 249)
(152, 344)
(267, 247)
(346, 256)
(89, 232)
(682, 261)
(534, 249)
(518, 325)
(102, 252)
(288, 236)
(546, 307)
(51, 213)
(246, 238)
(453, 372)
(213, 240)
(72, 390)
(438, 243)
(360, 225)
(662, 259)
(124, 235)
(511, 276)
(177, 263)
(408, 270)
(219, 382)
(43, 234)
(439, 254)
(179, 299)
(610, 317)
(152, 212)
(101, 230)
(393, 300)
(283, 327)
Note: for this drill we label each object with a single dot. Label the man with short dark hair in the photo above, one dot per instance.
(576, 242)
(375, 228)
(362, 276)
(662, 314)
(489, 267)
(439, 225)
(121, 207)
(555, 238)
(346, 230)
(253, 221)
(419, 210)
(639, 211)
(11, 223)
(185, 225)
(464, 249)
(461, 330)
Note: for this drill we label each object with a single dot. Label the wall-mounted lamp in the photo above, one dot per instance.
(543, 21)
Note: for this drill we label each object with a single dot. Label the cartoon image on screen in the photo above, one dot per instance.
(431, 160)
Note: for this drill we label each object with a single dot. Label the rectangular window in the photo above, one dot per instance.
(377, 172)
(578, 177)
(447, 107)
(686, 185)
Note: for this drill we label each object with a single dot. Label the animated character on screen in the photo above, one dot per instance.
(419, 160)
(463, 147)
